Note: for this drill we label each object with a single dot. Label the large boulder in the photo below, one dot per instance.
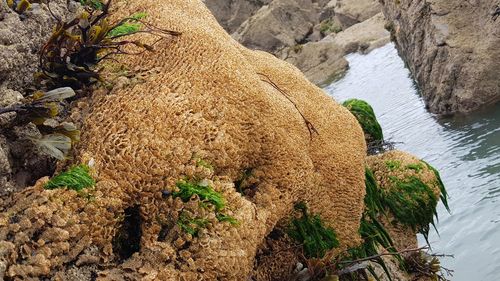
(351, 12)
(451, 49)
(208, 111)
(232, 13)
(281, 24)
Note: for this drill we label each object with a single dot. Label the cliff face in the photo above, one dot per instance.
(451, 48)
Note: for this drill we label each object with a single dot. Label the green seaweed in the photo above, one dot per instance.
(205, 193)
(124, 29)
(416, 167)
(366, 118)
(222, 217)
(444, 194)
(93, 4)
(76, 178)
(191, 225)
(309, 231)
(412, 203)
(374, 200)
(204, 164)
(374, 236)
(393, 164)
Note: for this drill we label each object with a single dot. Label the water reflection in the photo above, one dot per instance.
(466, 149)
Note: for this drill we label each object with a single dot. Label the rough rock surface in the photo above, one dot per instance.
(451, 48)
(21, 37)
(323, 61)
(232, 13)
(351, 12)
(204, 96)
(298, 31)
(280, 24)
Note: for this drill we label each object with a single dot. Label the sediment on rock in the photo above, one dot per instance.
(451, 49)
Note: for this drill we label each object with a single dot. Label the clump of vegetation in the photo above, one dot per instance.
(412, 202)
(43, 109)
(416, 167)
(208, 197)
(76, 178)
(366, 118)
(329, 26)
(191, 225)
(443, 193)
(205, 193)
(77, 46)
(309, 231)
(393, 164)
(20, 6)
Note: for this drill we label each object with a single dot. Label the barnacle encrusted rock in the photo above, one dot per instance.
(204, 97)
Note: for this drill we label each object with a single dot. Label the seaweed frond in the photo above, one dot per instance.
(366, 118)
(444, 194)
(222, 217)
(191, 225)
(309, 231)
(76, 178)
(412, 203)
(204, 192)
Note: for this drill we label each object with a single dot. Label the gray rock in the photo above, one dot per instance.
(281, 24)
(452, 49)
(351, 12)
(232, 13)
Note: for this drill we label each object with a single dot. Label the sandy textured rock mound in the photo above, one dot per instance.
(202, 98)
(451, 48)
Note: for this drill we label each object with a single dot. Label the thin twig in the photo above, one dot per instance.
(385, 254)
(310, 127)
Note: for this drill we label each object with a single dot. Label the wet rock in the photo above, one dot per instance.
(452, 50)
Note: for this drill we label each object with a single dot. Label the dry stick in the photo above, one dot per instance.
(385, 254)
(309, 125)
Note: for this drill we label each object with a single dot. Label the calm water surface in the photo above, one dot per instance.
(466, 150)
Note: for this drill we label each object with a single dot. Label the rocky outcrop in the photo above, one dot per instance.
(451, 48)
(295, 31)
(323, 62)
(351, 12)
(202, 97)
(21, 37)
(232, 13)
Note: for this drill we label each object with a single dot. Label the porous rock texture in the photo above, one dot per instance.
(21, 38)
(204, 96)
(451, 48)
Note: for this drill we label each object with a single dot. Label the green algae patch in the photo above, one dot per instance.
(309, 231)
(444, 194)
(204, 192)
(393, 164)
(191, 225)
(76, 178)
(416, 167)
(413, 203)
(366, 118)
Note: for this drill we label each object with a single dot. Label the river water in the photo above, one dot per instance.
(466, 150)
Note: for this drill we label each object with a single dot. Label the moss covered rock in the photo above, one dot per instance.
(410, 189)
(366, 118)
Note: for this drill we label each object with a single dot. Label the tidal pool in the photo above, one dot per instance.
(465, 149)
